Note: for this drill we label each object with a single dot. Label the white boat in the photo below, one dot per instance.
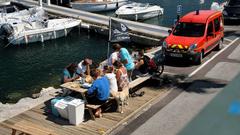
(25, 33)
(217, 6)
(97, 5)
(139, 11)
(30, 15)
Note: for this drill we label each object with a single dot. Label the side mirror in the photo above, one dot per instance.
(169, 32)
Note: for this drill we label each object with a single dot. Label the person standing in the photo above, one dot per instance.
(113, 57)
(121, 76)
(126, 59)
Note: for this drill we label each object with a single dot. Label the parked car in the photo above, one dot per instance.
(232, 10)
(194, 35)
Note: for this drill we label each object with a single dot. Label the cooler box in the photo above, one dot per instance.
(76, 111)
(62, 106)
(53, 109)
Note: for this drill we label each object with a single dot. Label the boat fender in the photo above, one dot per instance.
(42, 39)
(6, 30)
(65, 32)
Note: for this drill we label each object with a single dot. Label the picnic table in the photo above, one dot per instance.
(77, 87)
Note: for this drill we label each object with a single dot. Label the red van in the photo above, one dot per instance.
(194, 35)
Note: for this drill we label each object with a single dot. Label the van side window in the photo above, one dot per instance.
(210, 28)
(216, 24)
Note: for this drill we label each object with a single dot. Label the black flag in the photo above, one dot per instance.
(119, 31)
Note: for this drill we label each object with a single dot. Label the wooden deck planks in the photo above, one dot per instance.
(5, 131)
(60, 126)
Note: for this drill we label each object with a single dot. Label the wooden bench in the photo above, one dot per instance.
(28, 128)
(138, 81)
(92, 107)
(132, 84)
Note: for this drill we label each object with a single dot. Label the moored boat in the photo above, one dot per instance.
(139, 11)
(97, 5)
(217, 6)
(25, 33)
(31, 14)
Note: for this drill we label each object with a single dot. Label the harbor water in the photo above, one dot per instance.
(27, 69)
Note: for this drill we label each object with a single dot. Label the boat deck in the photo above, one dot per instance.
(40, 116)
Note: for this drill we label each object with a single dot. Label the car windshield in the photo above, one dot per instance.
(189, 29)
(234, 3)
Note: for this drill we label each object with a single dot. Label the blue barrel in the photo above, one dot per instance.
(53, 109)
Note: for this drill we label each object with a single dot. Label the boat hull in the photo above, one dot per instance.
(41, 35)
(97, 7)
(140, 16)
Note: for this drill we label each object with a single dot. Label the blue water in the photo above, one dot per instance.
(24, 70)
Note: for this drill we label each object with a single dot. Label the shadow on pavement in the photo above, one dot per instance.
(179, 82)
(232, 33)
(201, 86)
(177, 62)
(231, 22)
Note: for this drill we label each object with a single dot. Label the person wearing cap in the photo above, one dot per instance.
(84, 67)
(69, 73)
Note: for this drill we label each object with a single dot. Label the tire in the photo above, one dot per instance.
(160, 69)
(199, 58)
(220, 45)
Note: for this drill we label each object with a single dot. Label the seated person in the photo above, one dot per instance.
(99, 92)
(84, 67)
(109, 73)
(69, 73)
(141, 66)
(121, 76)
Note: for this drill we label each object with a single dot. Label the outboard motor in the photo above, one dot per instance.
(6, 30)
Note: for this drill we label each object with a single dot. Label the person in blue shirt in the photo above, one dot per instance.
(69, 73)
(126, 59)
(99, 92)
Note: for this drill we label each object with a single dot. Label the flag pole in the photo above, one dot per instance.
(109, 38)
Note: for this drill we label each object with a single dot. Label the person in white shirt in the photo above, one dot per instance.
(84, 67)
(113, 57)
(108, 70)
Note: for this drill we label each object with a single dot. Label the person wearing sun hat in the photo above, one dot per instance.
(84, 67)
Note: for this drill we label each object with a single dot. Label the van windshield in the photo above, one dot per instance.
(189, 29)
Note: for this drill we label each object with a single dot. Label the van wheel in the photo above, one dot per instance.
(199, 58)
(220, 45)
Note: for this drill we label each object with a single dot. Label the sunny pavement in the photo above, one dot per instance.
(178, 113)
